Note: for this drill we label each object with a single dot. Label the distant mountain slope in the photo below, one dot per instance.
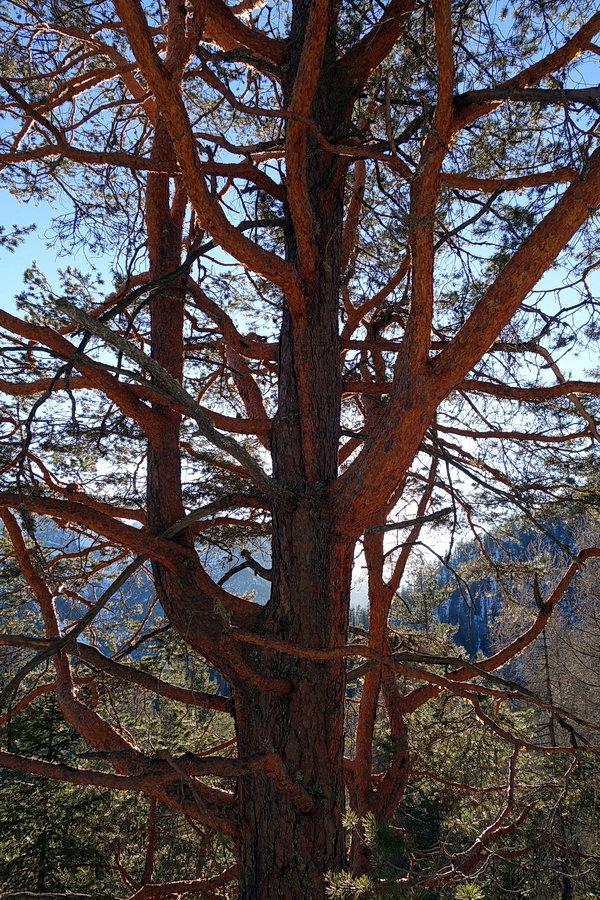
(476, 592)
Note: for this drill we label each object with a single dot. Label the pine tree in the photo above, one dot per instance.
(326, 224)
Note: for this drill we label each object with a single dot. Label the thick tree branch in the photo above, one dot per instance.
(212, 803)
(197, 885)
(586, 96)
(531, 394)
(460, 181)
(368, 53)
(228, 32)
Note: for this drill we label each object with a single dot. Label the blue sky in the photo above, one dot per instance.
(36, 248)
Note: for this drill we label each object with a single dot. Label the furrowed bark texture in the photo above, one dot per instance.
(285, 852)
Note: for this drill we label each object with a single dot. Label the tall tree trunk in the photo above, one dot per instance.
(285, 852)
(164, 228)
(164, 222)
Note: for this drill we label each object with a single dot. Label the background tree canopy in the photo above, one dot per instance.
(352, 254)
